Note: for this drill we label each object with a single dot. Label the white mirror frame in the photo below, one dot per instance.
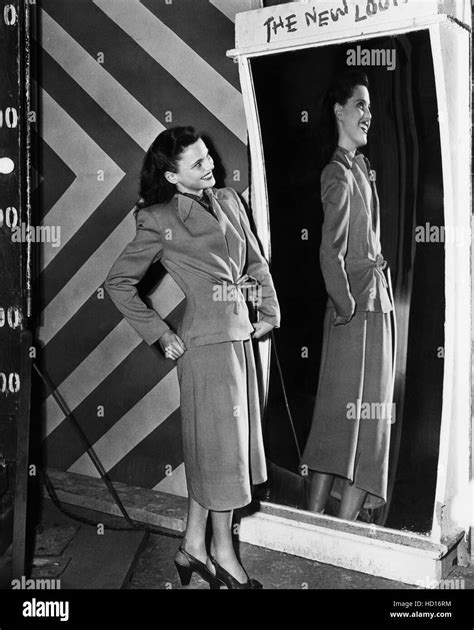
(408, 557)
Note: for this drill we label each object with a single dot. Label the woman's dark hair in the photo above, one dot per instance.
(163, 155)
(340, 91)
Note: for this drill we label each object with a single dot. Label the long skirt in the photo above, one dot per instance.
(221, 425)
(353, 413)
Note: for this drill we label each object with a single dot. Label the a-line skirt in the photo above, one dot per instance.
(221, 424)
(353, 413)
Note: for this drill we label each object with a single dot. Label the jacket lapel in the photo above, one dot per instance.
(198, 218)
(345, 159)
(184, 206)
(361, 187)
(376, 209)
(233, 233)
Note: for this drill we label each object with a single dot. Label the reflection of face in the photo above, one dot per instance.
(194, 171)
(353, 119)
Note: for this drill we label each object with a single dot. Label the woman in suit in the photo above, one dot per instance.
(347, 449)
(203, 238)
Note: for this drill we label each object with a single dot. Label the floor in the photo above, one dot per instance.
(68, 550)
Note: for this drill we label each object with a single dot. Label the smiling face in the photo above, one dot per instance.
(194, 170)
(353, 119)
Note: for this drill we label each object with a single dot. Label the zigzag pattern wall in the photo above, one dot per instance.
(111, 75)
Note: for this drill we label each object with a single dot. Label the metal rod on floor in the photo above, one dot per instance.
(90, 451)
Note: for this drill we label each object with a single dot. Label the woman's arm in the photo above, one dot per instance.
(257, 267)
(128, 270)
(335, 196)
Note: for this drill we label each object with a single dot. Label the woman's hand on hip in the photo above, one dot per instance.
(172, 345)
(261, 329)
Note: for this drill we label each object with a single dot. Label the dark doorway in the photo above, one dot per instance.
(404, 149)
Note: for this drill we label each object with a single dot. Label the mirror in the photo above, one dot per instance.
(404, 149)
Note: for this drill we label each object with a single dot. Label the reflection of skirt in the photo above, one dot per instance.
(221, 428)
(350, 431)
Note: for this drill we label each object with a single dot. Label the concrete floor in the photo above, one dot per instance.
(275, 570)
(151, 567)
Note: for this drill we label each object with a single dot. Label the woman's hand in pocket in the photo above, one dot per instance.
(339, 320)
(172, 345)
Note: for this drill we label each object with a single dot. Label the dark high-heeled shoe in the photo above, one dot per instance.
(193, 565)
(229, 580)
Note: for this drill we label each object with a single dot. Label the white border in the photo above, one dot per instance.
(456, 338)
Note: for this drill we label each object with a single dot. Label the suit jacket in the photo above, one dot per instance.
(207, 255)
(350, 254)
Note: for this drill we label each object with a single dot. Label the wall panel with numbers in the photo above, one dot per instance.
(14, 213)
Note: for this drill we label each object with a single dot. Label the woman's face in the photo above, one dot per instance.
(353, 119)
(194, 170)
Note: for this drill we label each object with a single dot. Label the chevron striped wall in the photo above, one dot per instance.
(110, 75)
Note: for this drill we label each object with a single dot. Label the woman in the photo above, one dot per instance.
(203, 238)
(347, 448)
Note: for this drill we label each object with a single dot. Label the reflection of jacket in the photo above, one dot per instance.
(200, 252)
(350, 253)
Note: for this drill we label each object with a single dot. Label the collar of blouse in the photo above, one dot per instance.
(185, 202)
(345, 156)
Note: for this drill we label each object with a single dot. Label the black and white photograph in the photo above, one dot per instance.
(236, 302)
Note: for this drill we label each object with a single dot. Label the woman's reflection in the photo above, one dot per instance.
(346, 454)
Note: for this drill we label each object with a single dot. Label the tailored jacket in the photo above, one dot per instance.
(350, 254)
(208, 256)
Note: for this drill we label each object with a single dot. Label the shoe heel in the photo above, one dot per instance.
(215, 584)
(184, 573)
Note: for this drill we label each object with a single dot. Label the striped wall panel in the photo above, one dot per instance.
(112, 74)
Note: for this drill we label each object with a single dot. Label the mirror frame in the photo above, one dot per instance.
(451, 513)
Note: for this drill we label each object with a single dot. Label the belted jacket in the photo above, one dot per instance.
(350, 254)
(209, 255)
